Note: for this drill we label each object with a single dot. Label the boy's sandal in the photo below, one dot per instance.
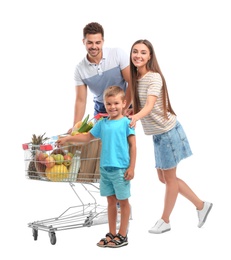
(121, 241)
(105, 241)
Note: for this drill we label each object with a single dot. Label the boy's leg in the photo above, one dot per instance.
(124, 216)
(112, 215)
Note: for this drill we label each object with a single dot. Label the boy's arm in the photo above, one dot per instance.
(75, 138)
(132, 151)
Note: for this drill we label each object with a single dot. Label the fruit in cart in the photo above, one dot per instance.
(52, 155)
(58, 151)
(67, 160)
(42, 156)
(70, 154)
(74, 132)
(77, 125)
(33, 165)
(85, 127)
(40, 166)
(57, 172)
(81, 127)
(77, 133)
(90, 124)
(49, 162)
(59, 158)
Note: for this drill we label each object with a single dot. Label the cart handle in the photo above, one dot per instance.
(42, 147)
(49, 147)
(98, 116)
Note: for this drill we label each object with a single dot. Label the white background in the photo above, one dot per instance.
(41, 42)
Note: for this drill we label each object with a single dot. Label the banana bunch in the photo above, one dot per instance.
(82, 126)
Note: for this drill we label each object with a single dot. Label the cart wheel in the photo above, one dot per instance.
(87, 222)
(35, 233)
(52, 238)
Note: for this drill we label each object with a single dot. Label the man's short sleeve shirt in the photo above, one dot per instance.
(100, 76)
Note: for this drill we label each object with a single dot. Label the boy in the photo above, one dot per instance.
(117, 162)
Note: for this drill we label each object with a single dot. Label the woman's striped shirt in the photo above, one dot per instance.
(154, 123)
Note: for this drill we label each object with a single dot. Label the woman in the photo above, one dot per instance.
(152, 106)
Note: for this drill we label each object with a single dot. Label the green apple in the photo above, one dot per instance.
(70, 154)
(58, 158)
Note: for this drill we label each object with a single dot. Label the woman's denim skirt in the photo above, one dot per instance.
(171, 147)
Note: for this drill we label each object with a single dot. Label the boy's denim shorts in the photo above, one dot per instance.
(171, 147)
(112, 182)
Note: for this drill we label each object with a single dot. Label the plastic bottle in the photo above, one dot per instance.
(53, 139)
(75, 165)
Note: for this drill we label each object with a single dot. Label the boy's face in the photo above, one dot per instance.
(114, 106)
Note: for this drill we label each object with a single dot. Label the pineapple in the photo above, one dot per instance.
(35, 142)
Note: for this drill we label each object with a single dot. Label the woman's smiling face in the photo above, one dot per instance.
(140, 55)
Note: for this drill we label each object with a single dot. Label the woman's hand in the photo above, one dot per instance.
(128, 112)
(133, 121)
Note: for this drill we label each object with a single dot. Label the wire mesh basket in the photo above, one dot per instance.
(46, 162)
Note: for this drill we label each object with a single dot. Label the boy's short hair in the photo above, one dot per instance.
(114, 91)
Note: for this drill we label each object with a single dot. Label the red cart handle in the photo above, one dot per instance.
(98, 116)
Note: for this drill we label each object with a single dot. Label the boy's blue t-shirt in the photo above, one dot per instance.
(115, 147)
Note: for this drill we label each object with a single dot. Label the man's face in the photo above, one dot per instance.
(93, 44)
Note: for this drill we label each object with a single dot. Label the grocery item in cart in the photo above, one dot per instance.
(35, 143)
(82, 126)
(75, 166)
(90, 158)
(58, 172)
(60, 164)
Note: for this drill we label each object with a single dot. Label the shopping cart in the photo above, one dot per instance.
(75, 164)
(85, 173)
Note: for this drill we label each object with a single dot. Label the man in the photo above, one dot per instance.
(101, 68)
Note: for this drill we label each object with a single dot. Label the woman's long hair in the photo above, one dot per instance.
(152, 65)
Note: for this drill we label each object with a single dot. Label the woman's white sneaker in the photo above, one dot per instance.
(160, 227)
(202, 214)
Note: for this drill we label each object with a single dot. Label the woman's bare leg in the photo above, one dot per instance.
(171, 191)
(185, 191)
(174, 186)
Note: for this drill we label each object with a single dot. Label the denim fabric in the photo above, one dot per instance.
(171, 147)
(99, 108)
(112, 182)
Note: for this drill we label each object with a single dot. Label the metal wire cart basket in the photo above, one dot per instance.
(72, 163)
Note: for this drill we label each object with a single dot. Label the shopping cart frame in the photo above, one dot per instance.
(81, 215)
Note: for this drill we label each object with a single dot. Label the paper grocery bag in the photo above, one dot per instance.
(90, 157)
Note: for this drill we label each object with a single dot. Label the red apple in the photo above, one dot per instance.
(67, 160)
(41, 157)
